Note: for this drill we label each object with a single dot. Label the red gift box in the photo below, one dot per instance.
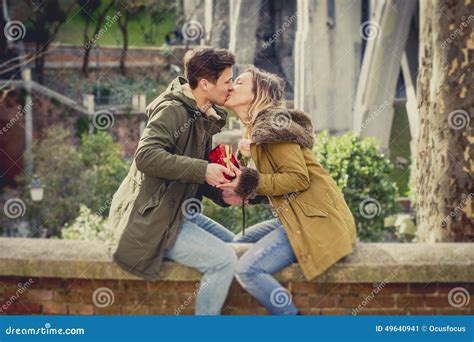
(222, 154)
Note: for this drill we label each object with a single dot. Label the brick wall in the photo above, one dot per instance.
(42, 276)
(136, 297)
(125, 129)
(12, 139)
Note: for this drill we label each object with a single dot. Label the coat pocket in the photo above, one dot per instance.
(310, 211)
(154, 200)
(340, 205)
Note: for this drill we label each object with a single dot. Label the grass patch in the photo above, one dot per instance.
(72, 31)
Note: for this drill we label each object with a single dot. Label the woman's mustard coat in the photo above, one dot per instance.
(316, 218)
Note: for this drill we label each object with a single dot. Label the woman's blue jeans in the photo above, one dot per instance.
(202, 244)
(271, 253)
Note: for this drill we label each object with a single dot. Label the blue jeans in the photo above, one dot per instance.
(271, 253)
(202, 244)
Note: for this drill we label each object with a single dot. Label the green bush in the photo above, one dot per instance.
(88, 173)
(400, 150)
(87, 226)
(59, 167)
(104, 170)
(231, 217)
(363, 175)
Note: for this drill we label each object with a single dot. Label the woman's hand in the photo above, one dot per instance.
(232, 185)
(244, 147)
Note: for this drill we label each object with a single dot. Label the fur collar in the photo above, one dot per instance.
(274, 125)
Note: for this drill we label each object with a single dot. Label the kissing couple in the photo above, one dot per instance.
(171, 172)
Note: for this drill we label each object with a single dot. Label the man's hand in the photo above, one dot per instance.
(231, 198)
(231, 185)
(215, 174)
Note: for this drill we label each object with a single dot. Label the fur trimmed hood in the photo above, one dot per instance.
(275, 125)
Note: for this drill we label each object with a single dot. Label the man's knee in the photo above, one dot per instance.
(227, 258)
(232, 259)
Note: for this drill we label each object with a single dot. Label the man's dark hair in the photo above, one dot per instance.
(207, 63)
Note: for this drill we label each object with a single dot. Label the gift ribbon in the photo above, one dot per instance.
(228, 156)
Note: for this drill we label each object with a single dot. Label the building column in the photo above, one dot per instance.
(386, 36)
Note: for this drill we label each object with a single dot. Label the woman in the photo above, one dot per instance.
(313, 224)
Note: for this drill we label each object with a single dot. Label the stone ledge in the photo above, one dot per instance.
(370, 262)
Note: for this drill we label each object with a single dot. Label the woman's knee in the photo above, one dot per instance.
(244, 269)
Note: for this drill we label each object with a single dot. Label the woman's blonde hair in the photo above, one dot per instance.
(268, 89)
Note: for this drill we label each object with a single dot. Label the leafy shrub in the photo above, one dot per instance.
(363, 175)
(88, 174)
(59, 167)
(104, 170)
(87, 226)
(231, 217)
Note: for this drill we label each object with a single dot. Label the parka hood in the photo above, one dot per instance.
(274, 125)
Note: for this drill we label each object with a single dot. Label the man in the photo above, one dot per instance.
(155, 210)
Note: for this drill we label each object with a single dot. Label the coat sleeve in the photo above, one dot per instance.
(291, 173)
(154, 155)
